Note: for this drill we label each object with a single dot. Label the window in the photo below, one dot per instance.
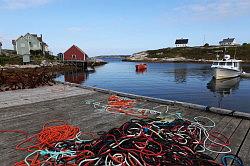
(229, 63)
(215, 63)
(31, 45)
(235, 64)
(73, 56)
(222, 63)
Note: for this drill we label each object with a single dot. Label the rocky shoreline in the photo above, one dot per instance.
(167, 60)
(171, 60)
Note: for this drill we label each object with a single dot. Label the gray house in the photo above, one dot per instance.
(30, 44)
(228, 42)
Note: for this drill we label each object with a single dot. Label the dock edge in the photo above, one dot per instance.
(204, 108)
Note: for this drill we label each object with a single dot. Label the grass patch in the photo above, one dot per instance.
(208, 53)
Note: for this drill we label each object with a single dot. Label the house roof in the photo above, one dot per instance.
(181, 41)
(228, 40)
(21, 37)
(35, 35)
(74, 46)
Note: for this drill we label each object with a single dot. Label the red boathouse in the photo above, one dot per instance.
(74, 53)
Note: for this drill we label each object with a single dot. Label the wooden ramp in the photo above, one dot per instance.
(31, 116)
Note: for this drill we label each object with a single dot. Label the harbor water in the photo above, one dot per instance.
(187, 82)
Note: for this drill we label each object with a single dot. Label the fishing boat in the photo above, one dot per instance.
(141, 66)
(226, 68)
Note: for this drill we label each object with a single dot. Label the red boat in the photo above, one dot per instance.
(141, 66)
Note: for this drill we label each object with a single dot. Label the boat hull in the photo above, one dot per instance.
(141, 66)
(221, 73)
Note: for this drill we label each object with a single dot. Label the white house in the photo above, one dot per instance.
(181, 42)
(30, 44)
(228, 42)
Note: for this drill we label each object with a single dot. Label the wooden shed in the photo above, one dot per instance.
(74, 53)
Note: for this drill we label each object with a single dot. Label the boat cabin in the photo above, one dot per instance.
(228, 63)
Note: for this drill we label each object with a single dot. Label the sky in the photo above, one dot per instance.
(104, 27)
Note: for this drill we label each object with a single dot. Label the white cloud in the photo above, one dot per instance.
(74, 29)
(215, 9)
(22, 4)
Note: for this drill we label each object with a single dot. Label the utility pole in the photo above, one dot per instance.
(204, 39)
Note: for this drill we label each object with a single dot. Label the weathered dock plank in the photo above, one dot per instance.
(28, 96)
(244, 152)
(228, 130)
(30, 116)
(238, 137)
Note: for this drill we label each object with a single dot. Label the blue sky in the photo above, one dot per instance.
(102, 27)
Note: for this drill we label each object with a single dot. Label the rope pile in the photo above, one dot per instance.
(45, 139)
(166, 140)
(137, 142)
(122, 105)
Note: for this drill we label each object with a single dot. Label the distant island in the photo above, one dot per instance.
(199, 54)
(112, 56)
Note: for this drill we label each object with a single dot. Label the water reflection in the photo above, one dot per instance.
(76, 76)
(223, 87)
(172, 81)
(180, 72)
(141, 71)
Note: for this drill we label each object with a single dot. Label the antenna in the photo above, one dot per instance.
(204, 39)
(217, 54)
(235, 52)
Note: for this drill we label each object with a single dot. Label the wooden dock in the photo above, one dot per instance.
(29, 109)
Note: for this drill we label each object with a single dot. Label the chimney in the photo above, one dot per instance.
(14, 44)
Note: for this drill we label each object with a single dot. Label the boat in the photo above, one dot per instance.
(90, 69)
(245, 75)
(141, 71)
(226, 68)
(141, 66)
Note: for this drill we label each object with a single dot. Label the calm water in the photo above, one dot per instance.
(173, 81)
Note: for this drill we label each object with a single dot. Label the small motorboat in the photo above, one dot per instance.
(141, 66)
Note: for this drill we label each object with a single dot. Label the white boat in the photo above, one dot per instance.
(226, 68)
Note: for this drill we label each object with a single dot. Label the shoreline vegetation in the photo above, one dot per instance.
(204, 54)
(30, 77)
